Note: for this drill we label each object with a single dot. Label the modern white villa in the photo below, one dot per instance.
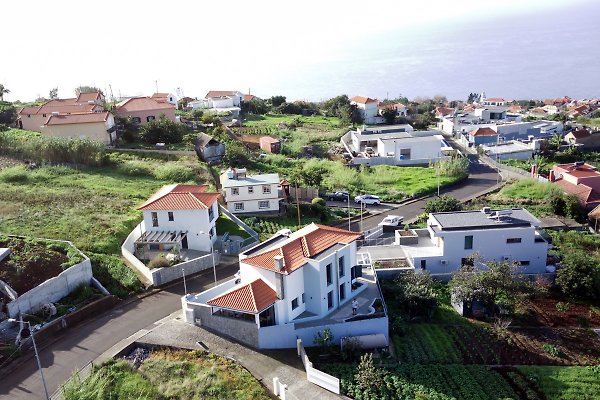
(179, 215)
(292, 286)
(250, 193)
(394, 145)
(451, 238)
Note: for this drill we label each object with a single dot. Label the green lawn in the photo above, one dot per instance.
(168, 375)
(527, 189)
(566, 383)
(94, 207)
(272, 120)
(224, 224)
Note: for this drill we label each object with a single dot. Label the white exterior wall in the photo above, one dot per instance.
(192, 221)
(491, 245)
(418, 150)
(251, 200)
(293, 288)
(222, 102)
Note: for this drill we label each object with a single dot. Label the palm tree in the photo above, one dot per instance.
(3, 91)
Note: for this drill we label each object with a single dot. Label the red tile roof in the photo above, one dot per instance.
(253, 298)
(305, 243)
(221, 93)
(362, 100)
(581, 171)
(64, 106)
(249, 97)
(443, 111)
(580, 133)
(495, 99)
(141, 104)
(82, 118)
(180, 197)
(586, 196)
(89, 96)
(483, 132)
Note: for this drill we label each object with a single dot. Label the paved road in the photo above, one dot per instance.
(481, 177)
(82, 344)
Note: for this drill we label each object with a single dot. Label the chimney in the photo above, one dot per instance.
(279, 264)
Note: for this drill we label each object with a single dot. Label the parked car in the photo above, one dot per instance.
(392, 220)
(367, 199)
(338, 196)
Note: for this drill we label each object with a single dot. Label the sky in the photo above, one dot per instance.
(305, 50)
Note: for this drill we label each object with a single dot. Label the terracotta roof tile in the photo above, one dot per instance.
(483, 132)
(362, 100)
(303, 244)
(585, 195)
(444, 110)
(141, 104)
(82, 118)
(89, 96)
(580, 133)
(180, 197)
(253, 298)
(580, 171)
(221, 93)
(249, 97)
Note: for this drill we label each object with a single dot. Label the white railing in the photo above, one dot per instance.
(315, 376)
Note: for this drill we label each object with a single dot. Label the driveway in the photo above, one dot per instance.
(83, 343)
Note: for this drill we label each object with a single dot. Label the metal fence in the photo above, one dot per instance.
(375, 242)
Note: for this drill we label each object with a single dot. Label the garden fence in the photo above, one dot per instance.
(315, 376)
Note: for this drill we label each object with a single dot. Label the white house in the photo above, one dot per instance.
(165, 98)
(250, 193)
(179, 215)
(219, 101)
(511, 150)
(290, 286)
(394, 145)
(368, 109)
(494, 235)
(235, 96)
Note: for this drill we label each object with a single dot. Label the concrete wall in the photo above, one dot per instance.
(96, 131)
(52, 290)
(160, 276)
(240, 330)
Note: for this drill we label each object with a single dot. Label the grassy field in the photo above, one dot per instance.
(527, 189)
(224, 224)
(94, 207)
(391, 183)
(168, 375)
(296, 131)
(565, 383)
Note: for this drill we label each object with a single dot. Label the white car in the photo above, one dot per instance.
(392, 220)
(367, 199)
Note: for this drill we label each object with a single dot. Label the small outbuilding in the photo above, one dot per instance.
(270, 144)
(208, 148)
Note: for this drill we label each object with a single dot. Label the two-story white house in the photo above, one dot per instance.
(368, 108)
(250, 193)
(451, 238)
(179, 215)
(289, 286)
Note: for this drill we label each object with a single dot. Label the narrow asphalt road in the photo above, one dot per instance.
(83, 343)
(481, 177)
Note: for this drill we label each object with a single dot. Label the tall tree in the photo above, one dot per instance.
(53, 93)
(3, 91)
(86, 89)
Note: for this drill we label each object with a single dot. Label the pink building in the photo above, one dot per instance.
(579, 179)
(144, 109)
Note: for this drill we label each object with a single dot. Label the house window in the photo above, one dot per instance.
(250, 189)
(150, 118)
(342, 291)
(405, 154)
(524, 262)
(263, 205)
(154, 215)
(266, 189)
(423, 264)
(295, 303)
(44, 115)
(235, 191)
(171, 216)
(302, 298)
(330, 300)
(341, 266)
(211, 213)
(513, 240)
(468, 242)
(136, 120)
(328, 273)
(238, 206)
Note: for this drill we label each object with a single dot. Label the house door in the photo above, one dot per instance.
(184, 243)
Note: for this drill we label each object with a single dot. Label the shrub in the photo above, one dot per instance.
(162, 130)
(135, 168)
(17, 174)
(114, 275)
(159, 262)
(444, 203)
(174, 173)
(579, 275)
(319, 201)
(552, 350)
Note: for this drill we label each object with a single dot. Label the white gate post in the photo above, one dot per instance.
(276, 386)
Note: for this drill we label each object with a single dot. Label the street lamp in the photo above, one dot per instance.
(212, 252)
(37, 356)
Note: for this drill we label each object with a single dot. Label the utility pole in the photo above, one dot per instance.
(298, 203)
(349, 222)
(37, 357)
(156, 81)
